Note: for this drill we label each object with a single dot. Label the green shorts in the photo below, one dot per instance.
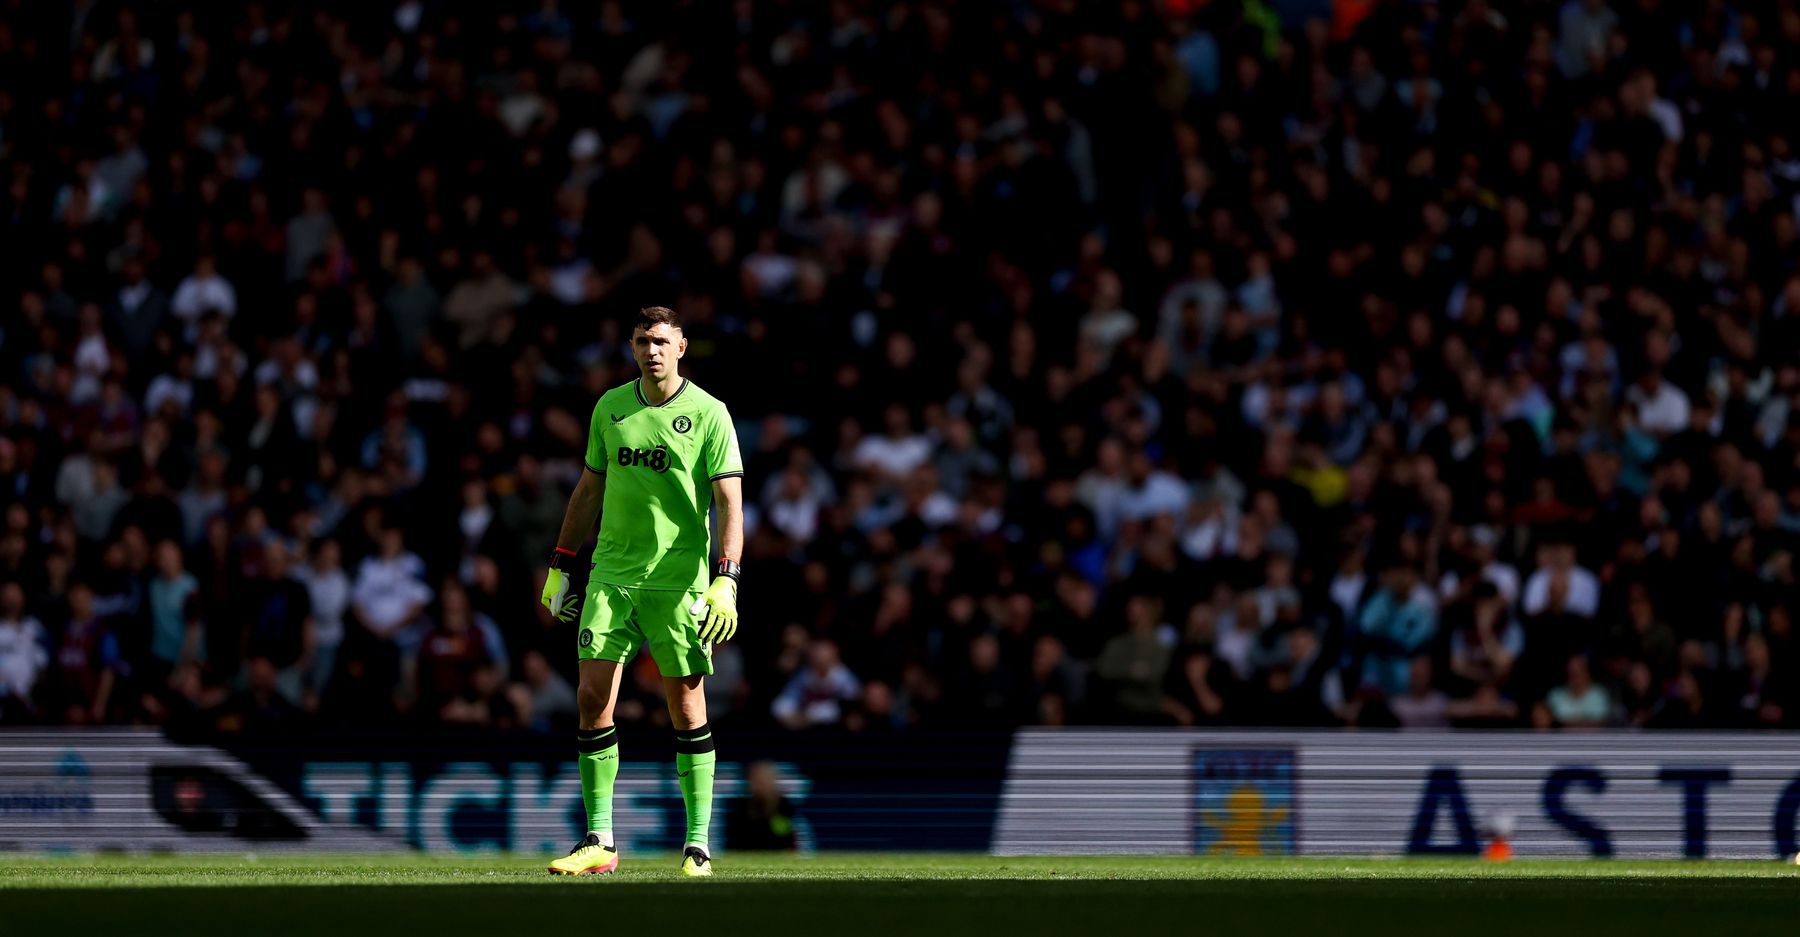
(617, 620)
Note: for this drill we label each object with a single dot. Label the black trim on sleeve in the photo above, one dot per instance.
(591, 468)
(738, 474)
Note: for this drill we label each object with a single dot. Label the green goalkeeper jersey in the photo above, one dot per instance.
(660, 463)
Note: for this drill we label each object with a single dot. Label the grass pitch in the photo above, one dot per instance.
(416, 896)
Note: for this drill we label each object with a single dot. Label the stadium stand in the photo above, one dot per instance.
(1153, 363)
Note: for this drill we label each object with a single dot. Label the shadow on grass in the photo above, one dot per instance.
(1548, 905)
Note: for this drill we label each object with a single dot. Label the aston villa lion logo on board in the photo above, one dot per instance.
(1244, 802)
(683, 424)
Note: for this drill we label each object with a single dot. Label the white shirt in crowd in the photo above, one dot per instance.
(388, 592)
(891, 455)
(1663, 411)
(167, 387)
(197, 294)
(1161, 493)
(92, 361)
(24, 653)
(1583, 596)
(797, 517)
(329, 590)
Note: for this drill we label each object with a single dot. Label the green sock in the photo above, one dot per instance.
(599, 760)
(694, 759)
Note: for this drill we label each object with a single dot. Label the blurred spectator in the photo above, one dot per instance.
(95, 511)
(1422, 706)
(1197, 697)
(544, 699)
(1641, 637)
(894, 453)
(1763, 699)
(728, 689)
(1133, 664)
(24, 655)
(1580, 703)
(1055, 676)
(818, 693)
(477, 304)
(451, 657)
(762, 820)
(390, 591)
(202, 292)
(530, 510)
(89, 661)
(328, 591)
(177, 629)
(1393, 626)
(1560, 586)
(396, 449)
(260, 708)
(981, 690)
(278, 622)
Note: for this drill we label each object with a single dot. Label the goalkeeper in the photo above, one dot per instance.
(660, 453)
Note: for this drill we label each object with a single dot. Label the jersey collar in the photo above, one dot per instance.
(637, 386)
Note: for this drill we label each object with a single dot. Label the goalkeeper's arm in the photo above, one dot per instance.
(720, 601)
(728, 494)
(578, 520)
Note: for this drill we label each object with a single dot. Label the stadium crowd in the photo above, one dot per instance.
(1202, 363)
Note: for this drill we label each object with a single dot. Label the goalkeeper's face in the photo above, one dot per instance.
(657, 349)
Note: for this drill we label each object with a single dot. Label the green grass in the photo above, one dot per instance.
(416, 896)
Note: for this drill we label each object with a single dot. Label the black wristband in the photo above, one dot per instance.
(559, 556)
(729, 568)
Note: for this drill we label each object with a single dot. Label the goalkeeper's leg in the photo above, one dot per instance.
(597, 752)
(694, 759)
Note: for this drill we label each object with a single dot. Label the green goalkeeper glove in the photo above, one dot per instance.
(720, 603)
(557, 597)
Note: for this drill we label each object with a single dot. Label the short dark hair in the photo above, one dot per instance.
(656, 315)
